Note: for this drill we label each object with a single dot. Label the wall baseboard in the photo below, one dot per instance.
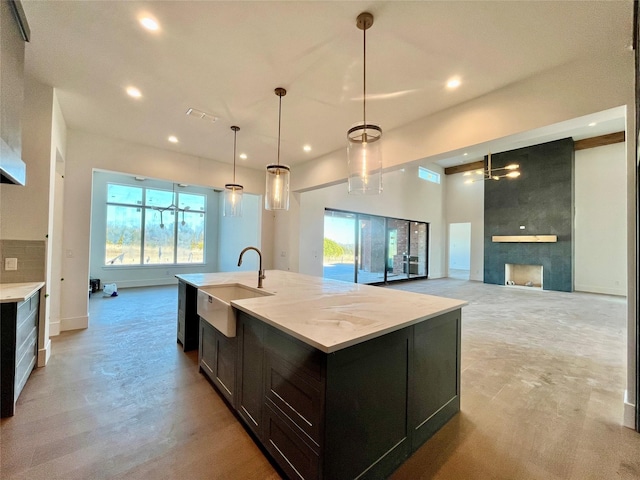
(145, 282)
(629, 418)
(75, 323)
(54, 329)
(620, 292)
(44, 354)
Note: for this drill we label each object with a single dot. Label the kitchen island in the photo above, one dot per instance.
(336, 380)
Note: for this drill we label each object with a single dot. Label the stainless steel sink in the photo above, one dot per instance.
(214, 304)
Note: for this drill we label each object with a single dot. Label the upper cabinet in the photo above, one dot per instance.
(14, 31)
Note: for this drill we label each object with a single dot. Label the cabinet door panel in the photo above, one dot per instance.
(225, 366)
(435, 389)
(207, 350)
(251, 375)
(294, 456)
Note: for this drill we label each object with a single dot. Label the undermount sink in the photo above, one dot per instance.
(214, 304)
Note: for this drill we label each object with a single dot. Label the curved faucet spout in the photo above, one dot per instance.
(261, 275)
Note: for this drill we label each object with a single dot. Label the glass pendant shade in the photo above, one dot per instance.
(233, 200)
(277, 188)
(233, 191)
(364, 158)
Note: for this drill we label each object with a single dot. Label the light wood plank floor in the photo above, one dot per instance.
(542, 385)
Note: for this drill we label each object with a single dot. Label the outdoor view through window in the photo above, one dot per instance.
(148, 226)
(371, 249)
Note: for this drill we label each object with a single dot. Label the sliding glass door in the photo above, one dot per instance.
(372, 249)
(339, 245)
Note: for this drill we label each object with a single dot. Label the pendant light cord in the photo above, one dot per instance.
(235, 134)
(279, 125)
(364, 84)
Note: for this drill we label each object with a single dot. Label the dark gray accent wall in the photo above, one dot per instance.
(541, 199)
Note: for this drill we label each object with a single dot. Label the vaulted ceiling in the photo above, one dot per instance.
(226, 58)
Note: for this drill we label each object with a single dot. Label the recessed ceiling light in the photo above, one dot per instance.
(133, 92)
(465, 154)
(592, 124)
(149, 23)
(453, 82)
(173, 139)
(307, 148)
(243, 156)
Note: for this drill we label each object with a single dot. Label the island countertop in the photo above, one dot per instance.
(18, 292)
(328, 314)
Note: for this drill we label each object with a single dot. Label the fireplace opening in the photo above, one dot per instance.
(516, 275)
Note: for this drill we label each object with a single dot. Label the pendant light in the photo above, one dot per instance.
(233, 191)
(277, 188)
(364, 154)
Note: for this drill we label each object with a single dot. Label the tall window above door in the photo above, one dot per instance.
(148, 226)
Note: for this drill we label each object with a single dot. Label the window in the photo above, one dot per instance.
(147, 226)
(428, 175)
(364, 248)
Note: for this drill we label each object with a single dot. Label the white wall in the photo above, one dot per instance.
(86, 152)
(601, 220)
(236, 233)
(464, 203)
(405, 196)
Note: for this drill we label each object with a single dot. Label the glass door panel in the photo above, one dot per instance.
(371, 248)
(418, 241)
(339, 246)
(397, 249)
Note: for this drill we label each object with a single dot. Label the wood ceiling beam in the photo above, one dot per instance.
(466, 167)
(599, 141)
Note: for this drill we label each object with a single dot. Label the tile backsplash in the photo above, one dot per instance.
(31, 260)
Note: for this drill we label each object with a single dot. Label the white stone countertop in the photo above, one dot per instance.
(328, 314)
(18, 292)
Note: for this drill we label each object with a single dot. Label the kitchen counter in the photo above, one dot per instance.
(18, 292)
(328, 314)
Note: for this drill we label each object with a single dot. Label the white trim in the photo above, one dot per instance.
(54, 329)
(629, 418)
(620, 292)
(44, 354)
(142, 282)
(74, 323)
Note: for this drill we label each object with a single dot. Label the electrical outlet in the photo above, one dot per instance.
(11, 264)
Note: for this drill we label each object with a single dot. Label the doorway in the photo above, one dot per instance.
(459, 250)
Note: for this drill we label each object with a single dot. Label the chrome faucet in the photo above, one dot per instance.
(260, 272)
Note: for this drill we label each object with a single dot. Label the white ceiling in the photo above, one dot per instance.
(226, 58)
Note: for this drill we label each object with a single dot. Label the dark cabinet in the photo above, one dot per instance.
(217, 359)
(356, 413)
(188, 319)
(250, 334)
(18, 349)
(435, 373)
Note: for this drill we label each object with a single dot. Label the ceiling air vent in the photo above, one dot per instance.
(193, 112)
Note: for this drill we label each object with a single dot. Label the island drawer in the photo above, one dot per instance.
(308, 361)
(293, 452)
(298, 398)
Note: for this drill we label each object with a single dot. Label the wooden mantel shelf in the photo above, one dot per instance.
(524, 238)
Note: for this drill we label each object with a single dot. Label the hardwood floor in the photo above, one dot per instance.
(542, 385)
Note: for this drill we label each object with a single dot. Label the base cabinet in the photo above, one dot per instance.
(359, 412)
(18, 349)
(217, 359)
(188, 319)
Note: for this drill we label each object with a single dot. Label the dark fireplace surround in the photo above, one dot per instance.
(541, 200)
